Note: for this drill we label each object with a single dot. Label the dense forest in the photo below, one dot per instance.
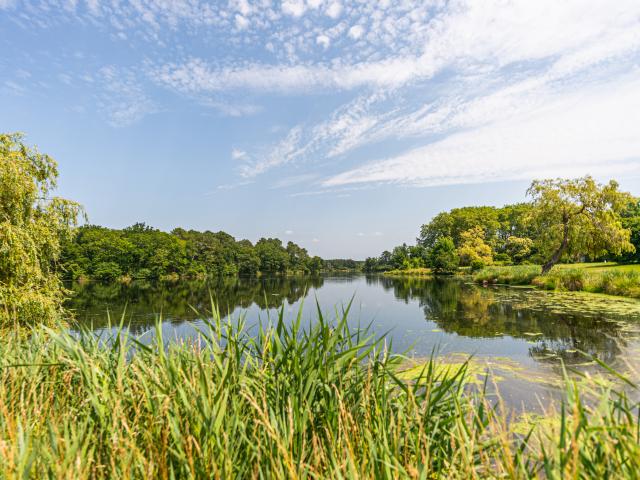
(141, 251)
(518, 234)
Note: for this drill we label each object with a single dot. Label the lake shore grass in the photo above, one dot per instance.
(409, 272)
(282, 401)
(607, 278)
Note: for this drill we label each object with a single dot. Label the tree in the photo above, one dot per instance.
(273, 256)
(454, 223)
(518, 248)
(315, 264)
(473, 250)
(298, 258)
(631, 221)
(248, 259)
(578, 217)
(33, 224)
(443, 257)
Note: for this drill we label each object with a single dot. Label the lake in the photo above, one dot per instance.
(523, 336)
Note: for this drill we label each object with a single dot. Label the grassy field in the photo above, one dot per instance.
(608, 278)
(281, 401)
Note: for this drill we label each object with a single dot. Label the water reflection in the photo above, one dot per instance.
(556, 331)
(143, 302)
(506, 321)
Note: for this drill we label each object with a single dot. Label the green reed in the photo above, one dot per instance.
(279, 400)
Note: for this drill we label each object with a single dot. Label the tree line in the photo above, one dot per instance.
(41, 242)
(566, 220)
(143, 252)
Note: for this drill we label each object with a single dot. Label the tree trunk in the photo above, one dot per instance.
(555, 258)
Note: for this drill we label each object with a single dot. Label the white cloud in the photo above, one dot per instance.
(123, 99)
(242, 22)
(334, 10)
(238, 154)
(356, 32)
(281, 154)
(231, 186)
(593, 130)
(471, 82)
(294, 180)
(323, 40)
(197, 76)
(288, 232)
(295, 8)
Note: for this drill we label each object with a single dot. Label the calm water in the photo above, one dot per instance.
(523, 335)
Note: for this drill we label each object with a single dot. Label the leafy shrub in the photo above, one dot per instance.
(443, 257)
(107, 271)
(513, 275)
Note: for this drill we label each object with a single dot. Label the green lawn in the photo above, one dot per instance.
(609, 278)
(603, 266)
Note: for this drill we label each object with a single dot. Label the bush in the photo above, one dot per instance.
(477, 265)
(623, 283)
(502, 257)
(514, 275)
(619, 283)
(107, 271)
(443, 257)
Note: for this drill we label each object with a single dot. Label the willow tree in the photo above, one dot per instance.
(33, 223)
(578, 217)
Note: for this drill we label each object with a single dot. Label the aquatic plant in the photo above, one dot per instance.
(276, 400)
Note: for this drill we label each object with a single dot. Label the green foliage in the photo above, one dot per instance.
(566, 220)
(612, 282)
(140, 251)
(517, 275)
(578, 217)
(473, 251)
(452, 224)
(403, 257)
(342, 265)
(631, 221)
(32, 226)
(518, 248)
(285, 402)
(273, 257)
(443, 257)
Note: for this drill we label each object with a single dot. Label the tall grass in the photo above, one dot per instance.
(278, 401)
(513, 275)
(565, 278)
(623, 282)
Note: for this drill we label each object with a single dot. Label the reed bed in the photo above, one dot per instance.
(277, 400)
(613, 281)
(509, 275)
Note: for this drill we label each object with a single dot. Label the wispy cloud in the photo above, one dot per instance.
(474, 88)
(123, 99)
(591, 130)
(238, 154)
(281, 154)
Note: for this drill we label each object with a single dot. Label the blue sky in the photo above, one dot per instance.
(340, 125)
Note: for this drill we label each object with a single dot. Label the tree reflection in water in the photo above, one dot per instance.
(558, 326)
(555, 331)
(143, 302)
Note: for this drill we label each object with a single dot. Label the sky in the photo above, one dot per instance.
(340, 125)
